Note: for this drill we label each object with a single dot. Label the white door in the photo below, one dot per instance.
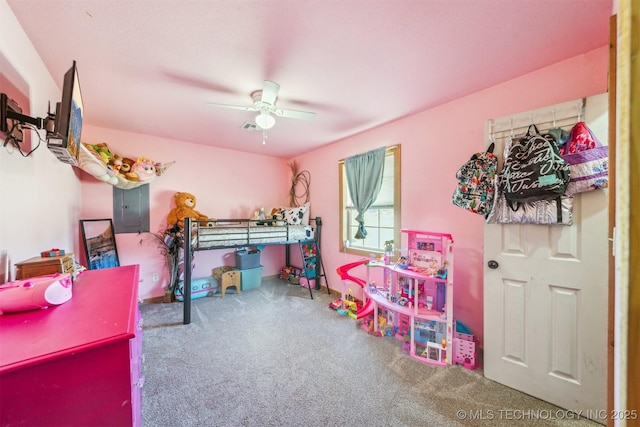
(545, 304)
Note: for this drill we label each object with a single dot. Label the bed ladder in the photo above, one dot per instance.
(312, 265)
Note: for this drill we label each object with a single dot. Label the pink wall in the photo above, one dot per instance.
(434, 145)
(51, 196)
(39, 202)
(226, 183)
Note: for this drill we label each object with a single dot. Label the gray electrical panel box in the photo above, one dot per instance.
(131, 210)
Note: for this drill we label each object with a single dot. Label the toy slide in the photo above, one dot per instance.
(366, 309)
(343, 272)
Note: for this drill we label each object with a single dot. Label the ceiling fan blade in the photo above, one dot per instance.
(294, 114)
(232, 107)
(270, 92)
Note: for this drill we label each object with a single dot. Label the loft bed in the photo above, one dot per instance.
(213, 234)
(234, 233)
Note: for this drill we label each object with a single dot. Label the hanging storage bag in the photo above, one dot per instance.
(588, 160)
(533, 169)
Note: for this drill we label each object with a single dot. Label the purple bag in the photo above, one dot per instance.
(588, 160)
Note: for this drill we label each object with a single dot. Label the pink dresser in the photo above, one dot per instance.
(79, 363)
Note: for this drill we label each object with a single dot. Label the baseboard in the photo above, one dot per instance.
(153, 300)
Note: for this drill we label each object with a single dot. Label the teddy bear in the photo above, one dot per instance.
(125, 169)
(185, 204)
(276, 215)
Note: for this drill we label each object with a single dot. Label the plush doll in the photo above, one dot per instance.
(185, 208)
(145, 169)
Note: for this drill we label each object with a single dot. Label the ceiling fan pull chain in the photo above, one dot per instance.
(264, 136)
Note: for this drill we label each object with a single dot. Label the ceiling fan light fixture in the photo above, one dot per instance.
(265, 120)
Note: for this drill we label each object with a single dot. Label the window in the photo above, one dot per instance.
(382, 219)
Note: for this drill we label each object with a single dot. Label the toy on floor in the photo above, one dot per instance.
(365, 310)
(345, 276)
(415, 298)
(465, 347)
(352, 306)
(336, 304)
(200, 288)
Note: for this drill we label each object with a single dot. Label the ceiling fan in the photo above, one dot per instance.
(264, 102)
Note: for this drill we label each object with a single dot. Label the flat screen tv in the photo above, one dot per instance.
(65, 139)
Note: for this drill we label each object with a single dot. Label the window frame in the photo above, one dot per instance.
(343, 192)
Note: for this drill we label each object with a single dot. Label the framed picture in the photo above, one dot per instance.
(99, 243)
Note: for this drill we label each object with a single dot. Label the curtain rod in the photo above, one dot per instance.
(387, 148)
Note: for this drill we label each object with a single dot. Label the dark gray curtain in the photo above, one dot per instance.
(364, 180)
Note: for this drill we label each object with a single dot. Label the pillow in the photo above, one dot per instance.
(305, 217)
(295, 216)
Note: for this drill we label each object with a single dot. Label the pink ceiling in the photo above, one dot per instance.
(152, 66)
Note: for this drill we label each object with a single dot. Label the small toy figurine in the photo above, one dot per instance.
(442, 271)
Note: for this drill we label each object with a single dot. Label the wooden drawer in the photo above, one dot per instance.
(39, 266)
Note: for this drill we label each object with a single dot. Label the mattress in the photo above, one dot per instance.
(230, 235)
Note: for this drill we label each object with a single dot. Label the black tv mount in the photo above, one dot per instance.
(9, 110)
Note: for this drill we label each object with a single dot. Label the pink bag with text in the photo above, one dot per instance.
(588, 160)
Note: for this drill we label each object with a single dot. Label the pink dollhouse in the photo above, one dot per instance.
(415, 301)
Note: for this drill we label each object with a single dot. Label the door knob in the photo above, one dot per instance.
(492, 264)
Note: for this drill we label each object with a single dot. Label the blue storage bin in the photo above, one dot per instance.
(251, 278)
(246, 259)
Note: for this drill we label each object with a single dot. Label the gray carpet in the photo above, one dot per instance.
(273, 357)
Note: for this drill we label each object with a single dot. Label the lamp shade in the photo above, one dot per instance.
(265, 120)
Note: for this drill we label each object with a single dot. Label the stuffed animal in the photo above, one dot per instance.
(276, 214)
(185, 204)
(162, 167)
(101, 151)
(115, 163)
(125, 169)
(144, 168)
